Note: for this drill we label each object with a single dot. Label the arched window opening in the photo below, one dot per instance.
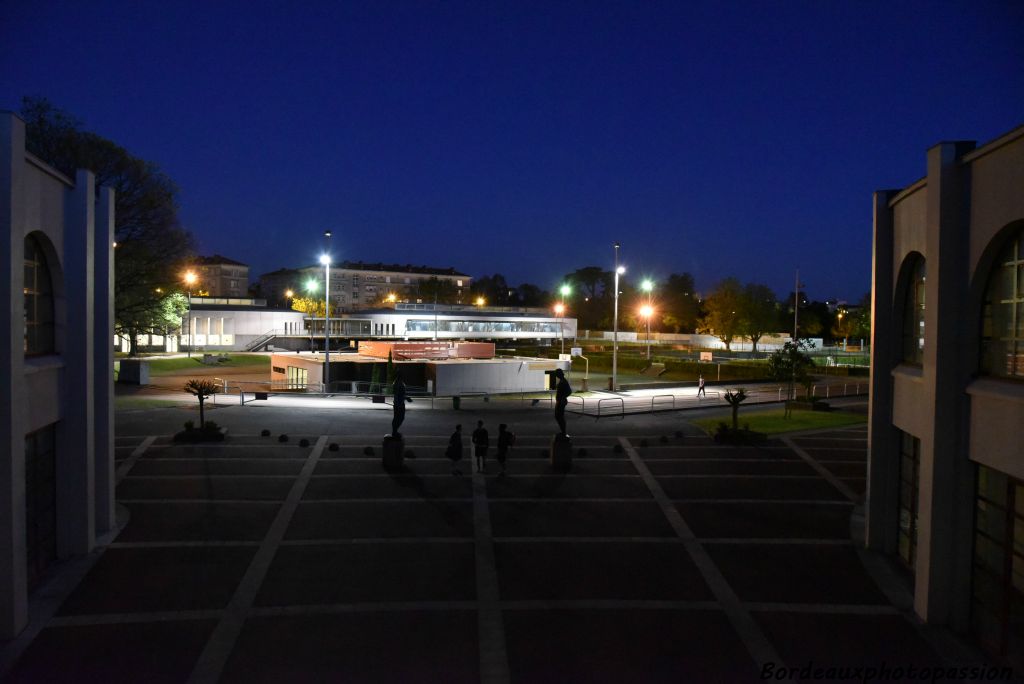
(1002, 322)
(38, 288)
(913, 314)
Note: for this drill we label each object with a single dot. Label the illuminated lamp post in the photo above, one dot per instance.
(619, 270)
(326, 261)
(190, 280)
(311, 288)
(560, 310)
(646, 311)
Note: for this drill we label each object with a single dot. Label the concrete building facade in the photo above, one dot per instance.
(56, 401)
(356, 285)
(946, 463)
(219, 276)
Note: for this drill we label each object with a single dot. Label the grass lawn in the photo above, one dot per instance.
(773, 422)
(161, 366)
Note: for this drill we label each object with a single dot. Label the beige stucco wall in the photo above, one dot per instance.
(997, 196)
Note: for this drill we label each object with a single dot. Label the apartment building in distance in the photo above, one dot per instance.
(219, 276)
(356, 285)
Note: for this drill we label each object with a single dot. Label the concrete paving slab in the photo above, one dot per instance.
(616, 646)
(373, 466)
(571, 486)
(729, 467)
(372, 647)
(714, 451)
(796, 488)
(826, 454)
(767, 520)
(354, 519)
(326, 574)
(840, 469)
(154, 652)
(198, 521)
(215, 466)
(159, 579)
(578, 519)
(802, 573)
(388, 486)
(231, 488)
(831, 640)
(857, 484)
(228, 451)
(598, 570)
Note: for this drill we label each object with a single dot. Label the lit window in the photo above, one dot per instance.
(38, 290)
(913, 312)
(1002, 326)
(458, 283)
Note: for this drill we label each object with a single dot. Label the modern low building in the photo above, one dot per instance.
(56, 397)
(219, 276)
(356, 285)
(946, 463)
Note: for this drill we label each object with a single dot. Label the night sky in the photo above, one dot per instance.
(721, 138)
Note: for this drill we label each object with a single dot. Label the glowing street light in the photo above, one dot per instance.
(647, 311)
(480, 301)
(190, 280)
(288, 294)
(560, 311)
(326, 261)
(619, 270)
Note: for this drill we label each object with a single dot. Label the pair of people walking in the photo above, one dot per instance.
(481, 444)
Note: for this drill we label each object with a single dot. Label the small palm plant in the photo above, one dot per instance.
(735, 398)
(201, 389)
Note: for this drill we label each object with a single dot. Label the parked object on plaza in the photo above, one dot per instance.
(393, 450)
(561, 453)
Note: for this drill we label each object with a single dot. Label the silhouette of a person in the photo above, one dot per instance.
(454, 450)
(398, 389)
(700, 386)
(480, 442)
(562, 392)
(506, 439)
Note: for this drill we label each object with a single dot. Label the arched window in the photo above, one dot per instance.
(1002, 323)
(913, 312)
(38, 300)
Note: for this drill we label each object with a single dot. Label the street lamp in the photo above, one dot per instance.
(646, 311)
(619, 270)
(190, 280)
(480, 301)
(647, 285)
(326, 261)
(564, 290)
(311, 288)
(560, 310)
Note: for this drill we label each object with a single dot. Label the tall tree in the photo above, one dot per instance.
(591, 296)
(758, 312)
(723, 308)
(435, 289)
(678, 303)
(152, 246)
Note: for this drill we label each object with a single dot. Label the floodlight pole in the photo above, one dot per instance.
(326, 260)
(615, 324)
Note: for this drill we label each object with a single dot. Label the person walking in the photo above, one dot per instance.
(506, 439)
(398, 392)
(562, 392)
(700, 387)
(454, 450)
(480, 445)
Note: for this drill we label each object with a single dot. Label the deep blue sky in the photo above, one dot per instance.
(721, 138)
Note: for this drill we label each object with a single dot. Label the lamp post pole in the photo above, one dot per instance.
(326, 261)
(647, 285)
(190, 279)
(615, 324)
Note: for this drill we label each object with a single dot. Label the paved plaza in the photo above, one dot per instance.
(661, 557)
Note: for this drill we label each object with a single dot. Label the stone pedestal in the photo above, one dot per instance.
(393, 450)
(561, 452)
(133, 372)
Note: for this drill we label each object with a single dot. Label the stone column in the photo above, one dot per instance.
(881, 498)
(103, 355)
(13, 582)
(76, 474)
(947, 482)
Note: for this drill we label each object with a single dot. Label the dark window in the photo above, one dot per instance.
(1002, 326)
(910, 467)
(38, 290)
(913, 314)
(40, 503)
(997, 577)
